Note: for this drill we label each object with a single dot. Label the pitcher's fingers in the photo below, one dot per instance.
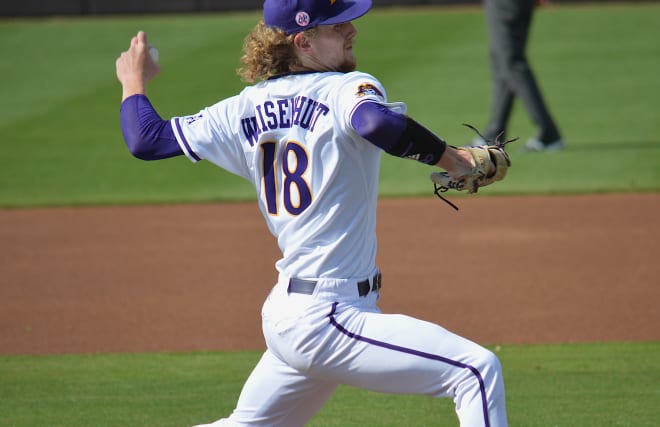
(142, 38)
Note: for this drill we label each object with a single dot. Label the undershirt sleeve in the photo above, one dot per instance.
(378, 124)
(396, 133)
(147, 136)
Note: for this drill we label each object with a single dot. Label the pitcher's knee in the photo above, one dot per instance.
(488, 365)
(490, 360)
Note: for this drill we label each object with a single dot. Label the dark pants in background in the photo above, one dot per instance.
(508, 23)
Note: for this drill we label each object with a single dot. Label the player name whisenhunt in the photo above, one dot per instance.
(299, 111)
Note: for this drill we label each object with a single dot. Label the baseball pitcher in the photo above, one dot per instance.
(309, 132)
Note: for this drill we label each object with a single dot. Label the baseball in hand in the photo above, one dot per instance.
(153, 52)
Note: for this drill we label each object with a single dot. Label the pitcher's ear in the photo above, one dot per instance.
(301, 41)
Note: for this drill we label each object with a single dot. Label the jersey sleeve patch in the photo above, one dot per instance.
(365, 89)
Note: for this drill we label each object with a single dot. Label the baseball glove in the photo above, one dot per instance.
(491, 164)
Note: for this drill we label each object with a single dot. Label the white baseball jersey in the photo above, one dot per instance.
(291, 137)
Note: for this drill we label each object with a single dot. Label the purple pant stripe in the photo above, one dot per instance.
(475, 371)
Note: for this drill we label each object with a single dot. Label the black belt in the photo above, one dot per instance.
(304, 286)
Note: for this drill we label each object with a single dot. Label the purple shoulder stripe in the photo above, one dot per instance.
(179, 131)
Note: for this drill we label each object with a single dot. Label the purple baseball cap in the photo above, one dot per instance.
(294, 16)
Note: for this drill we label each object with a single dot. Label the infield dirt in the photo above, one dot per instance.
(502, 270)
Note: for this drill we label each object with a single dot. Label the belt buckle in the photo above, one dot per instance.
(376, 282)
(364, 287)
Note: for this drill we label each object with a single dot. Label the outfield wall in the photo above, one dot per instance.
(9, 8)
(101, 7)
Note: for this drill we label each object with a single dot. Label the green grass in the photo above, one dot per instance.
(587, 385)
(61, 143)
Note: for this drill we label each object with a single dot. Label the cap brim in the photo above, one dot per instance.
(351, 10)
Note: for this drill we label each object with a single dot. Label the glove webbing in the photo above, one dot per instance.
(496, 142)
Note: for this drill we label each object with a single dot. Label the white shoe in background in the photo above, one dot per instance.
(537, 145)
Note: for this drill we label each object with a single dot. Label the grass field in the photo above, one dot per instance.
(61, 145)
(601, 384)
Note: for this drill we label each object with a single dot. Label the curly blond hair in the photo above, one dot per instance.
(267, 52)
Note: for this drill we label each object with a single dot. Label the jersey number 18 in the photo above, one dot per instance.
(296, 195)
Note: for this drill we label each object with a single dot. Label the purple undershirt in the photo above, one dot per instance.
(378, 124)
(147, 136)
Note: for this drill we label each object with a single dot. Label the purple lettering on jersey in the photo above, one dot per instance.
(250, 130)
(321, 109)
(299, 111)
(296, 108)
(261, 119)
(285, 121)
(272, 117)
(307, 115)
